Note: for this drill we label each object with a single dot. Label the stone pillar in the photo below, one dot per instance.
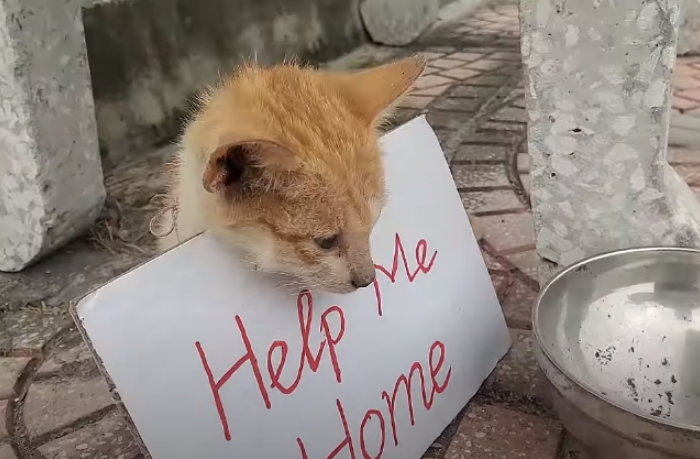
(597, 77)
(51, 183)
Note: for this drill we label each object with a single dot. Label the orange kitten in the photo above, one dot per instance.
(283, 163)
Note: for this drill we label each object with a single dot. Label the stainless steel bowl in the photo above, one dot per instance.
(618, 338)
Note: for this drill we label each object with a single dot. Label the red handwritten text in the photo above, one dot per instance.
(428, 395)
(311, 357)
(424, 266)
(308, 358)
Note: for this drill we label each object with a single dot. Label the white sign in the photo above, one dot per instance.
(212, 361)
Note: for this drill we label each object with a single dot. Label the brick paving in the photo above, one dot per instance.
(54, 404)
(685, 115)
(686, 84)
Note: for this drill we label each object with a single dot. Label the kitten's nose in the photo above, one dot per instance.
(364, 279)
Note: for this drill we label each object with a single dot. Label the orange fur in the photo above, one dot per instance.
(283, 162)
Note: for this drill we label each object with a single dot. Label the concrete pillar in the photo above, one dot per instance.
(51, 183)
(598, 86)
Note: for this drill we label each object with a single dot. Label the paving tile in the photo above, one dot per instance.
(509, 231)
(523, 162)
(29, 331)
(442, 135)
(429, 81)
(505, 56)
(522, 147)
(572, 449)
(457, 104)
(684, 137)
(518, 91)
(460, 73)
(465, 30)
(490, 201)
(692, 94)
(502, 126)
(444, 119)
(488, 80)
(517, 303)
(489, 138)
(434, 91)
(685, 83)
(689, 172)
(480, 175)
(517, 380)
(436, 450)
(497, 26)
(446, 64)
(3, 420)
(109, 438)
(683, 155)
(510, 114)
(403, 115)
(480, 30)
(467, 91)
(442, 49)
(466, 57)
(493, 432)
(476, 21)
(683, 104)
(415, 101)
(6, 452)
(10, 368)
(485, 64)
(491, 262)
(71, 358)
(506, 70)
(487, 15)
(58, 401)
(433, 452)
(499, 279)
(508, 40)
(469, 153)
(526, 182)
(528, 262)
(682, 69)
(519, 103)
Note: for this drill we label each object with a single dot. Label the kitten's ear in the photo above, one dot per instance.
(231, 165)
(372, 93)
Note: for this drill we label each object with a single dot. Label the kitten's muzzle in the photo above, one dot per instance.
(363, 279)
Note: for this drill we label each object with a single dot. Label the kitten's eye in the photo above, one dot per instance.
(327, 243)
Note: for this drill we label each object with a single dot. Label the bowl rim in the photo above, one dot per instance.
(586, 387)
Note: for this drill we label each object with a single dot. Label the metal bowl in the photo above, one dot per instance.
(618, 338)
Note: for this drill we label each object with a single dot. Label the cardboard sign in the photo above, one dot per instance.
(213, 361)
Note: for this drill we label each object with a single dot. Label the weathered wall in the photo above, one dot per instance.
(147, 57)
